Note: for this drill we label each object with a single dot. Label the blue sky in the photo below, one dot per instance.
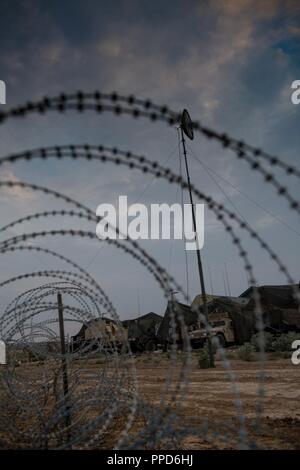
(230, 63)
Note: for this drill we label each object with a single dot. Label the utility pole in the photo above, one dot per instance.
(227, 280)
(187, 128)
(64, 364)
(210, 280)
(178, 330)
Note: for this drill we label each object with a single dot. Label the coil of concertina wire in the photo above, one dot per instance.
(103, 405)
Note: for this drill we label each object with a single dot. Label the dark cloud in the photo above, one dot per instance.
(231, 63)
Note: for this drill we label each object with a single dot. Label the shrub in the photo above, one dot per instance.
(284, 342)
(268, 341)
(274, 343)
(282, 355)
(100, 361)
(231, 355)
(156, 359)
(246, 352)
(147, 358)
(203, 358)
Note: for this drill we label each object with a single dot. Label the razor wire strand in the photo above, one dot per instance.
(135, 107)
(172, 178)
(37, 273)
(82, 106)
(73, 151)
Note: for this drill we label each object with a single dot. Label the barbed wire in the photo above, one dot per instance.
(98, 398)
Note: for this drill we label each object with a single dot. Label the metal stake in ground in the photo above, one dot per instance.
(186, 127)
(64, 364)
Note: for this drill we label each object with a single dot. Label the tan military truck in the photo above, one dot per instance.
(221, 326)
(229, 321)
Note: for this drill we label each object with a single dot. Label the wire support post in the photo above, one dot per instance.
(64, 367)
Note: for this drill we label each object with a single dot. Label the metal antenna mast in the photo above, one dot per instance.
(186, 127)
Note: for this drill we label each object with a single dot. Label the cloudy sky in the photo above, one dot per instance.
(231, 63)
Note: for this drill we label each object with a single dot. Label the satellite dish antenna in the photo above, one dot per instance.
(186, 127)
(187, 124)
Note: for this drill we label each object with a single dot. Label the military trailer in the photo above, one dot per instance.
(142, 332)
(103, 333)
(233, 320)
(170, 328)
(280, 306)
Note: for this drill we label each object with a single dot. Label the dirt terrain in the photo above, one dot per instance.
(209, 396)
(209, 406)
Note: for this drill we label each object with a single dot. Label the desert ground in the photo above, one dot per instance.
(207, 406)
(209, 396)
